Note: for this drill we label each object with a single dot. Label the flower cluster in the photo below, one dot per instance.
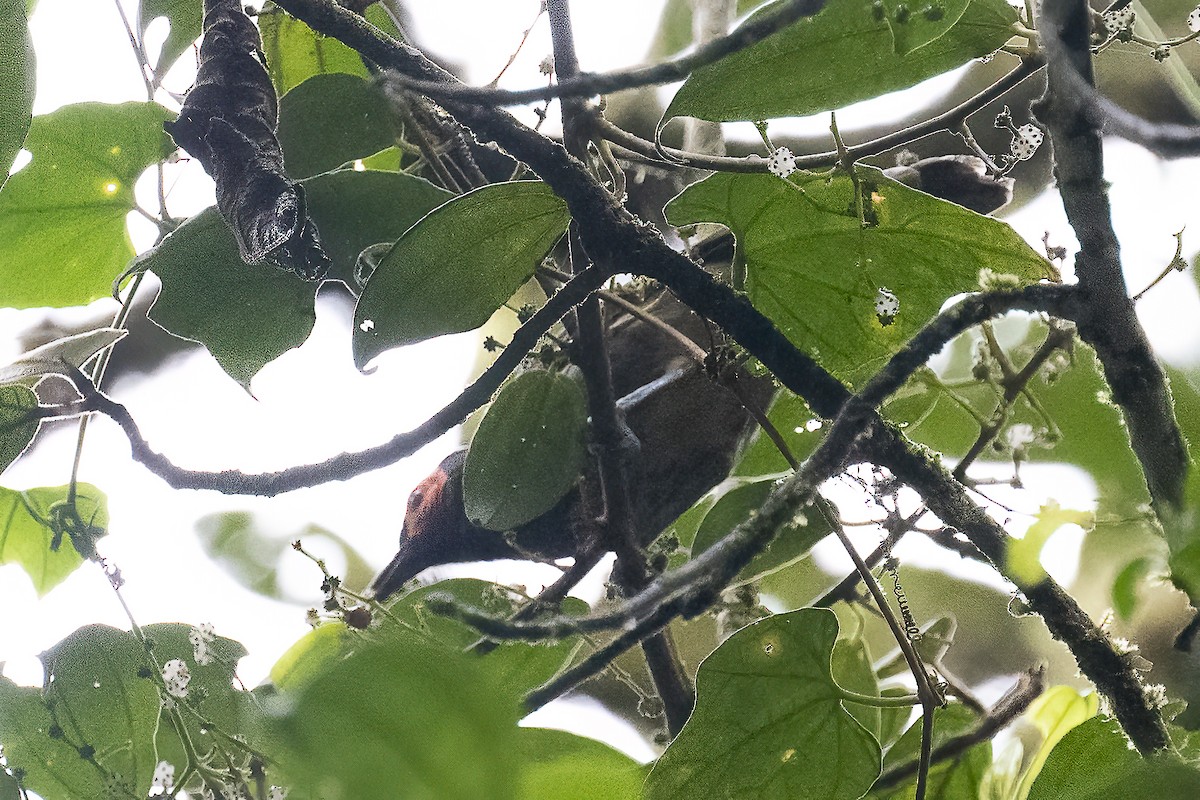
(781, 163)
(176, 676)
(201, 637)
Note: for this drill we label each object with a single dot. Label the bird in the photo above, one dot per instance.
(689, 427)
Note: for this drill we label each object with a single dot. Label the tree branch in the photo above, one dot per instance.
(348, 465)
(1107, 321)
(587, 84)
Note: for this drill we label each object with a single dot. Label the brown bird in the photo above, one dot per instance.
(690, 427)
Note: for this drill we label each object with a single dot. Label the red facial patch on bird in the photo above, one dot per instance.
(424, 505)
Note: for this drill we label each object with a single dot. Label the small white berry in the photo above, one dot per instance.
(176, 676)
(1119, 19)
(781, 163)
(547, 66)
(1026, 141)
(1193, 20)
(887, 306)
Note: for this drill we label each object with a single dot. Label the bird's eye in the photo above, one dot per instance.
(415, 499)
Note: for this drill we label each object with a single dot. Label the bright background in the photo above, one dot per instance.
(312, 403)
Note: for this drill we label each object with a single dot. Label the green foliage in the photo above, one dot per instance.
(27, 536)
(1094, 762)
(55, 358)
(295, 52)
(17, 80)
(528, 451)
(568, 767)
(1023, 564)
(1054, 714)
(815, 269)
(17, 429)
(99, 702)
(249, 315)
(450, 272)
(838, 57)
(736, 500)
(185, 19)
(675, 30)
(330, 120)
(769, 721)
(65, 212)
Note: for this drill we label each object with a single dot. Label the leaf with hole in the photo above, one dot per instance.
(528, 451)
(454, 268)
(62, 217)
(185, 18)
(841, 55)
(815, 269)
(769, 721)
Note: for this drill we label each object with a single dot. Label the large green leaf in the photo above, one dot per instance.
(186, 18)
(567, 767)
(26, 538)
(528, 451)
(62, 218)
(769, 721)
(17, 429)
(17, 80)
(96, 697)
(457, 266)
(1054, 714)
(331, 119)
(249, 315)
(815, 270)
(295, 52)
(1183, 531)
(840, 56)
(402, 714)
(1094, 762)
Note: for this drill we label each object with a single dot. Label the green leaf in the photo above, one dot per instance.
(424, 717)
(295, 52)
(453, 269)
(815, 270)
(9, 788)
(1094, 762)
(853, 670)
(51, 766)
(769, 721)
(917, 25)
(17, 429)
(799, 427)
(1023, 558)
(838, 57)
(18, 78)
(26, 538)
(211, 688)
(310, 655)
(249, 315)
(567, 767)
(1054, 714)
(1183, 530)
(1125, 587)
(62, 218)
(95, 695)
(737, 500)
(53, 357)
(330, 120)
(528, 451)
(185, 16)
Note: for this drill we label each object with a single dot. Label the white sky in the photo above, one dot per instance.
(201, 418)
